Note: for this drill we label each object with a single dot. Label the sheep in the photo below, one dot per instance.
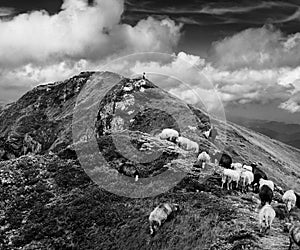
(289, 198)
(266, 216)
(249, 168)
(187, 144)
(265, 195)
(269, 183)
(294, 234)
(229, 175)
(160, 214)
(202, 159)
(236, 165)
(169, 134)
(258, 174)
(246, 178)
(225, 160)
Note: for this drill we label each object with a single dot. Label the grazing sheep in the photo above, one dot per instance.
(202, 159)
(187, 144)
(169, 134)
(294, 234)
(269, 183)
(266, 216)
(289, 198)
(228, 176)
(236, 165)
(258, 174)
(265, 195)
(246, 178)
(160, 214)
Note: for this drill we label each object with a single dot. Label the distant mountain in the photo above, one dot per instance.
(284, 132)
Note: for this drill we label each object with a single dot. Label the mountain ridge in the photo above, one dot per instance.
(49, 201)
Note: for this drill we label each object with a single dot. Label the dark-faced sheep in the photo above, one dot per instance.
(258, 174)
(160, 214)
(265, 195)
(224, 159)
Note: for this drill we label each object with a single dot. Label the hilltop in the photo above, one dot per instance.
(49, 202)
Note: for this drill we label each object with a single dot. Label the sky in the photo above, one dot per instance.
(248, 51)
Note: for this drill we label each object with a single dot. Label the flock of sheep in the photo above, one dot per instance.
(243, 176)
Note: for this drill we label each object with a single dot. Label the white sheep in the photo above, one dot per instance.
(266, 216)
(246, 178)
(160, 214)
(236, 165)
(269, 183)
(203, 158)
(249, 168)
(289, 198)
(229, 175)
(187, 144)
(169, 134)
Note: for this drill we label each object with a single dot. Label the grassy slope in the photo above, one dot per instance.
(49, 202)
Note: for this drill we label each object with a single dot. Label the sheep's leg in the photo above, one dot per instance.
(291, 243)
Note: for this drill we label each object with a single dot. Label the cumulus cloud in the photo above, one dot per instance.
(37, 47)
(80, 31)
(292, 104)
(258, 48)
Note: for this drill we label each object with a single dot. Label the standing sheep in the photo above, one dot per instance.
(266, 216)
(169, 134)
(224, 159)
(236, 165)
(269, 183)
(265, 195)
(258, 174)
(202, 159)
(289, 198)
(160, 214)
(247, 178)
(187, 144)
(228, 176)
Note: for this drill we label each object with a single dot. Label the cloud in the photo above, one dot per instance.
(293, 104)
(80, 31)
(37, 47)
(6, 11)
(258, 48)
